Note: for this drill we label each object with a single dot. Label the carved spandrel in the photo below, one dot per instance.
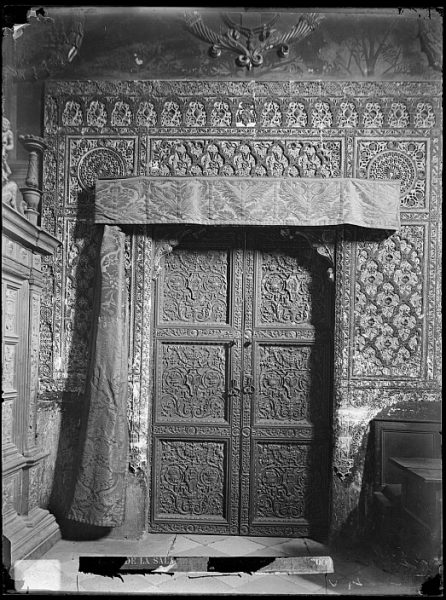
(191, 479)
(193, 383)
(323, 243)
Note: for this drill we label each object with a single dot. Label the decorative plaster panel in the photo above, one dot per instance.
(390, 305)
(7, 420)
(210, 157)
(10, 315)
(404, 160)
(90, 158)
(9, 382)
(369, 129)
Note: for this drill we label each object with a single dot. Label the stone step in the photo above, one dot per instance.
(296, 565)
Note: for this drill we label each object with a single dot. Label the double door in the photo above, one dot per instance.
(240, 438)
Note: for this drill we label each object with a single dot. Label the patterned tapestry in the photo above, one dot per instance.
(248, 201)
(387, 342)
(99, 495)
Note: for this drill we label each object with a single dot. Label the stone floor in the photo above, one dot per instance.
(58, 570)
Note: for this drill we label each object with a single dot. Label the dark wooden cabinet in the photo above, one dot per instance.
(28, 530)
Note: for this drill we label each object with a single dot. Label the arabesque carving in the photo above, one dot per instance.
(372, 129)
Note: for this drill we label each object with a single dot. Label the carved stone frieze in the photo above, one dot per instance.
(261, 104)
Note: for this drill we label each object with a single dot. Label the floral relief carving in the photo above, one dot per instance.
(372, 115)
(195, 115)
(50, 115)
(321, 115)
(121, 114)
(193, 383)
(171, 114)
(347, 115)
(10, 316)
(245, 115)
(8, 493)
(424, 115)
(282, 484)
(9, 367)
(191, 479)
(404, 160)
(96, 114)
(146, 114)
(276, 161)
(34, 364)
(398, 115)
(289, 286)
(91, 157)
(296, 115)
(72, 114)
(285, 383)
(99, 161)
(221, 115)
(389, 306)
(301, 158)
(7, 421)
(271, 115)
(195, 287)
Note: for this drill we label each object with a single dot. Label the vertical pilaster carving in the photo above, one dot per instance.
(34, 344)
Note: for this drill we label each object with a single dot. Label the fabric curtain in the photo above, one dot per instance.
(282, 201)
(99, 495)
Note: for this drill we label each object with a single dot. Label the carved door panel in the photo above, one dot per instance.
(286, 399)
(196, 434)
(241, 388)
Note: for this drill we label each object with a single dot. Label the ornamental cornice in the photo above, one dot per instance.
(251, 88)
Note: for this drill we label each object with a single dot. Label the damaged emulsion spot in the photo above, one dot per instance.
(204, 566)
(17, 17)
(115, 566)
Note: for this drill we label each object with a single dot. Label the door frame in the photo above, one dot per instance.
(324, 241)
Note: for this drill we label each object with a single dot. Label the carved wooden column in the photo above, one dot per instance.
(32, 193)
(28, 530)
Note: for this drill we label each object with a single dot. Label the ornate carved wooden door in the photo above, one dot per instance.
(242, 349)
